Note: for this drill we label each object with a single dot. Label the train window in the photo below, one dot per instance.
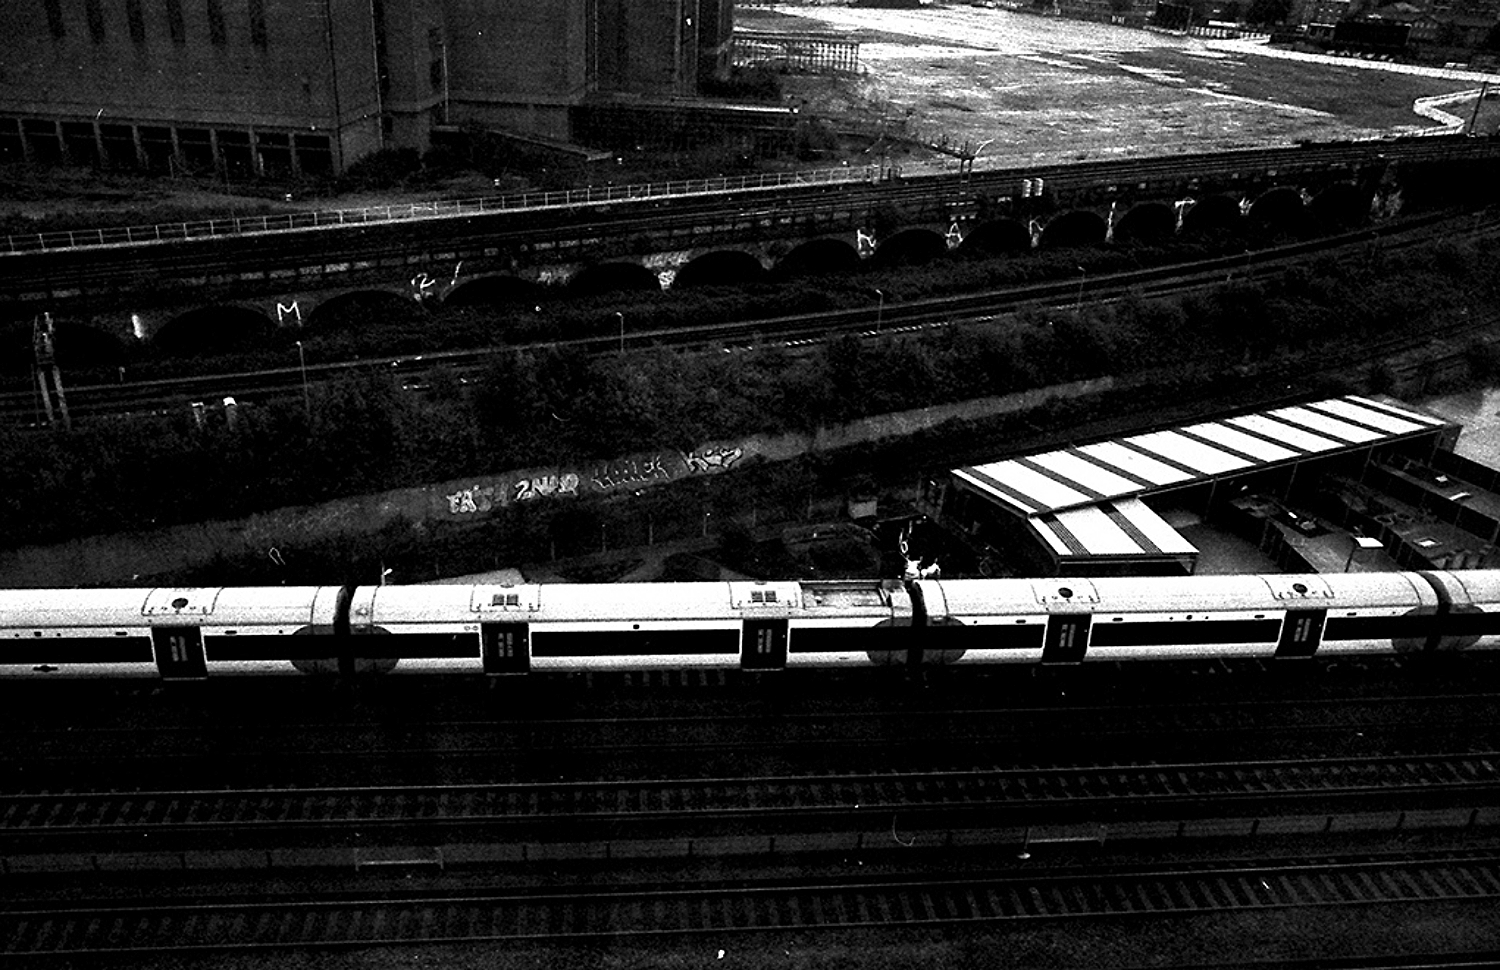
(1167, 633)
(506, 599)
(763, 596)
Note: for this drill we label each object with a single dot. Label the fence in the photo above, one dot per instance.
(325, 218)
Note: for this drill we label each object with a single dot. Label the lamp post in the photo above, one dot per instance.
(306, 394)
(622, 330)
(879, 308)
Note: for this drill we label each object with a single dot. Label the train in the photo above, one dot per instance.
(513, 630)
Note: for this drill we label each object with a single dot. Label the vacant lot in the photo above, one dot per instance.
(1041, 87)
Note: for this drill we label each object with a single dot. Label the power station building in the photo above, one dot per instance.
(309, 86)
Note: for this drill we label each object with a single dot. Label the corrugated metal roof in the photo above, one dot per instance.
(1072, 477)
(1121, 528)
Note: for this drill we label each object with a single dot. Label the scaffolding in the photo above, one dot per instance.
(799, 53)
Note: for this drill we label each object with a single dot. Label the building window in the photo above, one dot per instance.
(55, 21)
(217, 35)
(136, 18)
(95, 13)
(258, 23)
(174, 22)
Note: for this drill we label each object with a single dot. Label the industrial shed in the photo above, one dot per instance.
(1102, 508)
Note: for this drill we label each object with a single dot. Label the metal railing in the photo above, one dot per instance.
(438, 209)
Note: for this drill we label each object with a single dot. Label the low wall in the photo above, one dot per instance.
(122, 558)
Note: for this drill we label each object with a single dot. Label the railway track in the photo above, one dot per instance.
(863, 187)
(287, 384)
(715, 807)
(314, 754)
(62, 930)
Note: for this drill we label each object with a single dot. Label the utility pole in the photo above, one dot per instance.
(42, 339)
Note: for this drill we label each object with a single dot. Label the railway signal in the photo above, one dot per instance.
(48, 376)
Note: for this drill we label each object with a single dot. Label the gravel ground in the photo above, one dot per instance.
(1033, 88)
(1261, 938)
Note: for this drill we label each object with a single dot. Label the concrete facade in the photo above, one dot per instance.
(251, 87)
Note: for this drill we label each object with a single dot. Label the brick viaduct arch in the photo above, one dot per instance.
(217, 323)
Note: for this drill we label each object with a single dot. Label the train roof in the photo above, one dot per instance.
(166, 605)
(642, 601)
(1189, 594)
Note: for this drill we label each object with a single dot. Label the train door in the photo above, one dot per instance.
(179, 652)
(764, 645)
(1301, 633)
(506, 648)
(1067, 638)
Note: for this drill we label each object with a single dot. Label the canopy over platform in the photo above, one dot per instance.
(1082, 505)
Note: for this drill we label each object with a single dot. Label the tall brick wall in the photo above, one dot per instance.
(280, 86)
(651, 47)
(520, 63)
(234, 64)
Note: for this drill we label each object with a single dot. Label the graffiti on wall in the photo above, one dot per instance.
(705, 460)
(602, 478)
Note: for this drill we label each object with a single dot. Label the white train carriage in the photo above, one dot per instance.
(637, 626)
(435, 629)
(985, 620)
(78, 633)
(626, 626)
(1378, 613)
(1471, 614)
(1068, 619)
(180, 634)
(858, 622)
(246, 630)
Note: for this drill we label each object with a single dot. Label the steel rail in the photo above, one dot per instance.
(304, 755)
(1012, 897)
(188, 811)
(919, 179)
(908, 316)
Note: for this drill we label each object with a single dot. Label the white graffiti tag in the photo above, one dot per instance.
(630, 472)
(420, 284)
(545, 485)
(706, 460)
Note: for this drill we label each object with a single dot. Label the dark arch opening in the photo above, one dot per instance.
(350, 311)
(74, 346)
(614, 278)
(494, 291)
(1280, 211)
(1214, 214)
(1342, 206)
(212, 329)
(1148, 222)
(1075, 228)
(997, 238)
(911, 247)
(725, 267)
(818, 256)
